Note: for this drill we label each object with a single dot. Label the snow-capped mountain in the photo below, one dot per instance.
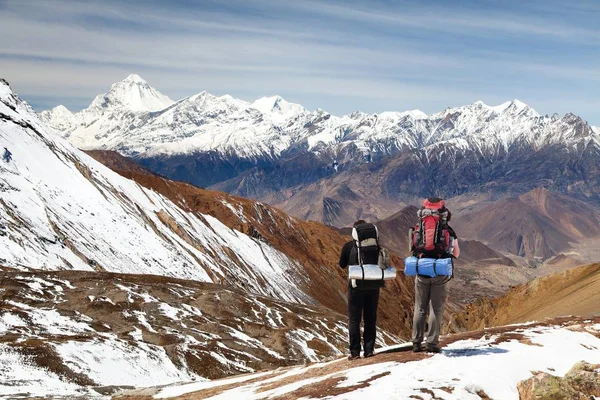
(108, 112)
(271, 125)
(63, 210)
(264, 148)
(133, 94)
(60, 118)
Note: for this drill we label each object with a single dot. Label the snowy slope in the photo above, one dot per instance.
(81, 333)
(60, 209)
(484, 365)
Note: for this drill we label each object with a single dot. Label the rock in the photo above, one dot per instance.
(543, 386)
(585, 378)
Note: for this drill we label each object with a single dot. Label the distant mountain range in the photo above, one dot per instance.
(334, 169)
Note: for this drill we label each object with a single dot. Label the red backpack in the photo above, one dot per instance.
(430, 238)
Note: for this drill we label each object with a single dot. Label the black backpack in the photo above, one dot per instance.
(366, 244)
(365, 251)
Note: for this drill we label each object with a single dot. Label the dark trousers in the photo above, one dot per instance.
(362, 302)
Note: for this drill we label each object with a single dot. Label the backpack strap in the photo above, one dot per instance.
(359, 254)
(422, 239)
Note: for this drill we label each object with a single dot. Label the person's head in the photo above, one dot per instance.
(434, 199)
(360, 221)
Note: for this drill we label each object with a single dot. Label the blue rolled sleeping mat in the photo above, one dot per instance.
(428, 266)
(370, 272)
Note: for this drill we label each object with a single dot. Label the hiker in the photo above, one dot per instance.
(363, 295)
(432, 238)
(7, 155)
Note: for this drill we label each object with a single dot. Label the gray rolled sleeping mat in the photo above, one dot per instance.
(371, 272)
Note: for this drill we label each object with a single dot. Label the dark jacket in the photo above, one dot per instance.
(349, 256)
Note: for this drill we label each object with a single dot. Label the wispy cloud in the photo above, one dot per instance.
(454, 19)
(336, 55)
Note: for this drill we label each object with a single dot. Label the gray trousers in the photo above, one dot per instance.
(430, 293)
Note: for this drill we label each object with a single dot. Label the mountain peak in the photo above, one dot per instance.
(132, 94)
(62, 110)
(58, 118)
(277, 107)
(134, 78)
(514, 107)
(518, 105)
(268, 103)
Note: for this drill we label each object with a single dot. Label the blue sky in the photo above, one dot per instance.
(341, 56)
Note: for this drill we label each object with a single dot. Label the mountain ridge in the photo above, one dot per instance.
(266, 105)
(286, 158)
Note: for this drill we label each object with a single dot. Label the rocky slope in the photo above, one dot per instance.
(572, 292)
(315, 246)
(285, 155)
(60, 209)
(63, 210)
(504, 356)
(78, 333)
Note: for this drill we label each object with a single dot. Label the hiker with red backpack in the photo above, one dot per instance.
(364, 254)
(433, 244)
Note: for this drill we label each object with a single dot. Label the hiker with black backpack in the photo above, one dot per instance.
(363, 294)
(433, 244)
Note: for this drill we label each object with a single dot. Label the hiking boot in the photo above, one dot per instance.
(370, 354)
(432, 348)
(417, 348)
(353, 357)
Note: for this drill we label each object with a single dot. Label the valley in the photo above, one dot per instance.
(104, 255)
(284, 200)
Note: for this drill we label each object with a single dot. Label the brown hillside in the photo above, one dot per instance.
(572, 292)
(539, 224)
(123, 320)
(314, 245)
